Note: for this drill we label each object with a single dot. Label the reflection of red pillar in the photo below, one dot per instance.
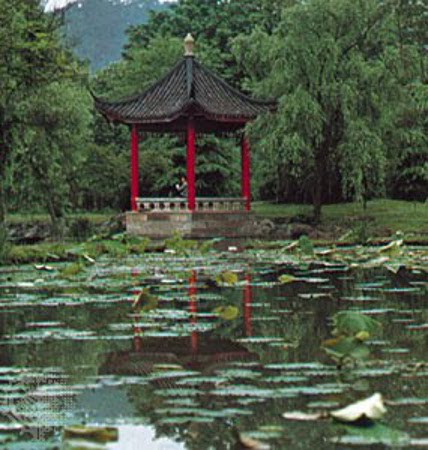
(134, 274)
(247, 298)
(134, 167)
(192, 310)
(191, 158)
(245, 172)
(137, 341)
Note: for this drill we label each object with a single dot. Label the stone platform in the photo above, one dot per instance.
(194, 225)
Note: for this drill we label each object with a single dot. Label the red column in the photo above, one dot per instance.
(191, 157)
(134, 167)
(245, 172)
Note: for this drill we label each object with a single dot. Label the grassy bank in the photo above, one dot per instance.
(24, 218)
(382, 218)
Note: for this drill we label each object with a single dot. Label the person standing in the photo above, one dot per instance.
(181, 187)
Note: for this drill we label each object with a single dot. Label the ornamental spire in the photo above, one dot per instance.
(189, 43)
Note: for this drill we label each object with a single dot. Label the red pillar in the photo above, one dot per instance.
(245, 172)
(191, 157)
(134, 167)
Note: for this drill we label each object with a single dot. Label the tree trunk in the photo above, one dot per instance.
(319, 182)
(4, 127)
(53, 202)
(332, 134)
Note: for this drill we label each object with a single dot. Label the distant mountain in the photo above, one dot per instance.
(96, 29)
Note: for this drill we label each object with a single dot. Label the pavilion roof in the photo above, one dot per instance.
(189, 89)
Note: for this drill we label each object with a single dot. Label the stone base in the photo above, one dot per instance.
(196, 225)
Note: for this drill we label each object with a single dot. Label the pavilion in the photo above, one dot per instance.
(189, 100)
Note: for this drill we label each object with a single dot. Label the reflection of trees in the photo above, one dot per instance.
(210, 355)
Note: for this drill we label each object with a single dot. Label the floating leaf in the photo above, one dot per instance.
(376, 433)
(226, 278)
(72, 270)
(89, 259)
(351, 323)
(392, 249)
(44, 268)
(227, 312)
(302, 416)
(251, 443)
(346, 347)
(285, 279)
(362, 336)
(81, 444)
(97, 434)
(371, 408)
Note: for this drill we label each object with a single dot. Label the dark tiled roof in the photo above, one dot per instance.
(188, 89)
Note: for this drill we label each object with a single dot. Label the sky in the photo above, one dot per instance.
(56, 4)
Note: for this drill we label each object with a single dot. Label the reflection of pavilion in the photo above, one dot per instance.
(190, 100)
(146, 353)
(198, 351)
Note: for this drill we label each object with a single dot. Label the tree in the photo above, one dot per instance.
(408, 141)
(54, 139)
(28, 40)
(213, 23)
(328, 63)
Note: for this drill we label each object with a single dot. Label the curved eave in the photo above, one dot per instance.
(191, 108)
(267, 103)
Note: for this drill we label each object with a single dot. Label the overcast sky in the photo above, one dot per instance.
(55, 4)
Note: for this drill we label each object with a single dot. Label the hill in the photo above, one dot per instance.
(96, 29)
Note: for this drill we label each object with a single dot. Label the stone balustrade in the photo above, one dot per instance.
(205, 204)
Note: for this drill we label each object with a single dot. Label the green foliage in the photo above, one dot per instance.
(359, 232)
(4, 245)
(213, 24)
(349, 77)
(180, 245)
(21, 254)
(103, 178)
(333, 66)
(344, 349)
(285, 279)
(305, 245)
(375, 435)
(39, 119)
(227, 312)
(71, 270)
(227, 278)
(351, 329)
(81, 228)
(350, 323)
(55, 130)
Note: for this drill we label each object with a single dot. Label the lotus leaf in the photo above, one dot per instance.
(97, 434)
(371, 408)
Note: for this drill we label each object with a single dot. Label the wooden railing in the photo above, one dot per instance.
(206, 204)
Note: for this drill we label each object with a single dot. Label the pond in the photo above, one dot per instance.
(207, 350)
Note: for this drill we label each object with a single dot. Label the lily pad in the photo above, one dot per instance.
(371, 408)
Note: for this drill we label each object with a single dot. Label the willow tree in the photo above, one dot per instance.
(328, 63)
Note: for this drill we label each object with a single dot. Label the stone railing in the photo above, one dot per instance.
(206, 204)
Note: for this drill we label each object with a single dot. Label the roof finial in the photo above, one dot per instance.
(189, 42)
